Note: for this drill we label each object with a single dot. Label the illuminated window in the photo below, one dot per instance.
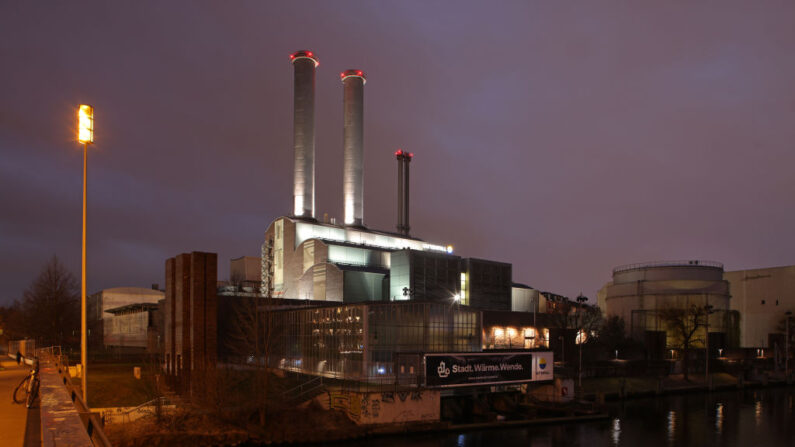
(464, 294)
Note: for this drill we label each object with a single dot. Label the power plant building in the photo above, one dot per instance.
(342, 300)
(305, 259)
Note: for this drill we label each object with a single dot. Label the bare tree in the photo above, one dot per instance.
(249, 341)
(611, 333)
(50, 307)
(683, 325)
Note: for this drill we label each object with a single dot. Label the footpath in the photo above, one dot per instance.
(13, 417)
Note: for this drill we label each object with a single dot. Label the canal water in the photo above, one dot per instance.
(755, 417)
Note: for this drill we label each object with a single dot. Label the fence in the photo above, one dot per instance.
(25, 347)
(52, 357)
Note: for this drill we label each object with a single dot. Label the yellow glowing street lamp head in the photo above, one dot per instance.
(85, 124)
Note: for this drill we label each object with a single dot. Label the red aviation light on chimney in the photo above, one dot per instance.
(304, 54)
(411, 154)
(353, 74)
(399, 152)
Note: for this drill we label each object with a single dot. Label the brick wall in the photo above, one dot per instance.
(191, 321)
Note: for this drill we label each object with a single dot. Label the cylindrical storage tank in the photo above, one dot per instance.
(304, 63)
(353, 141)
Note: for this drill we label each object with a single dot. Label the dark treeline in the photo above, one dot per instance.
(48, 311)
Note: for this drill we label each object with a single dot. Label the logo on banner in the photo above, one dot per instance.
(542, 363)
(443, 370)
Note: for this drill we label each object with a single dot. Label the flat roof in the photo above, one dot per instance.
(135, 306)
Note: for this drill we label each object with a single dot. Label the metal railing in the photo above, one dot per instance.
(306, 389)
(91, 421)
(151, 407)
(686, 263)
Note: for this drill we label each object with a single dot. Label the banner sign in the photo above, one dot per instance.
(470, 369)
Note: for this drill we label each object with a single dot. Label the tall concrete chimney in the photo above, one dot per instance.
(353, 140)
(304, 63)
(403, 158)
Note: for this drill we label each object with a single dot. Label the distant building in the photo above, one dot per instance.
(527, 299)
(245, 269)
(639, 291)
(762, 297)
(133, 326)
(98, 304)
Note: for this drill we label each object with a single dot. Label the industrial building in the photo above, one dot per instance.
(134, 326)
(345, 301)
(638, 292)
(307, 259)
(762, 297)
(367, 341)
(110, 320)
(750, 305)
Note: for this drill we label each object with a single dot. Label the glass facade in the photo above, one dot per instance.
(515, 337)
(371, 341)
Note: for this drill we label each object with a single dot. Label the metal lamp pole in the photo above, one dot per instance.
(580, 300)
(707, 312)
(786, 349)
(85, 135)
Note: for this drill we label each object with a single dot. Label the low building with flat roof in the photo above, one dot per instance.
(98, 305)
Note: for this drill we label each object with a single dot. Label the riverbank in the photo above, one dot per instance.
(612, 388)
(312, 425)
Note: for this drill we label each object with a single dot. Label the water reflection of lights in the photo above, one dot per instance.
(461, 440)
(671, 426)
(758, 412)
(616, 431)
(719, 418)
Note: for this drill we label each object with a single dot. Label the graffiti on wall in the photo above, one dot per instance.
(376, 408)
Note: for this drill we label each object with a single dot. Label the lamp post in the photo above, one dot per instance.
(85, 135)
(786, 347)
(580, 301)
(707, 311)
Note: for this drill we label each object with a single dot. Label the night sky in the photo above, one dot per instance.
(565, 139)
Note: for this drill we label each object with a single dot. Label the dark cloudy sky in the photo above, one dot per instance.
(563, 137)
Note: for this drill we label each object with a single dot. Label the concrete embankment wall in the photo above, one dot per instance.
(366, 408)
(60, 420)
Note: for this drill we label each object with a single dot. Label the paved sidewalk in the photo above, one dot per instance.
(13, 417)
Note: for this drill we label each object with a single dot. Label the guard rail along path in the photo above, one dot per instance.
(65, 418)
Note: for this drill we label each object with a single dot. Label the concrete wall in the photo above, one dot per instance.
(762, 296)
(524, 299)
(246, 268)
(129, 330)
(99, 321)
(388, 407)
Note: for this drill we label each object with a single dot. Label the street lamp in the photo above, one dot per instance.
(85, 136)
(580, 301)
(708, 310)
(786, 349)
